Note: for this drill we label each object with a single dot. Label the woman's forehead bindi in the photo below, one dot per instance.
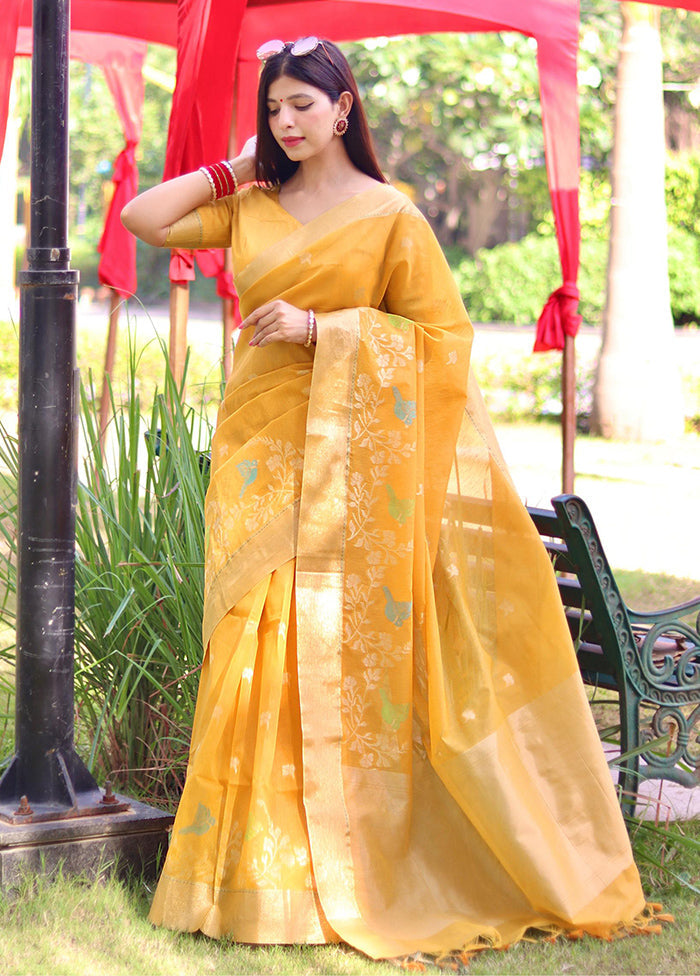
(272, 98)
(285, 89)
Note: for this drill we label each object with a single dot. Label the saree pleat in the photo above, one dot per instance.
(240, 851)
(392, 745)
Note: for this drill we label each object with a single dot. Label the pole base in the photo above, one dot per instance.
(87, 806)
(56, 786)
(134, 840)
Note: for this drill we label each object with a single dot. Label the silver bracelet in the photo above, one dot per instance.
(310, 325)
(229, 167)
(210, 179)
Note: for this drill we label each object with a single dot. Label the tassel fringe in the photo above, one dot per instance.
(649, 922)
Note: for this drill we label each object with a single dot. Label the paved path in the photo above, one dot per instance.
(661, 801)
(625, 486)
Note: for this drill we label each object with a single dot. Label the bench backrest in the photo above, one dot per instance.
(657, 653)
(597, 615)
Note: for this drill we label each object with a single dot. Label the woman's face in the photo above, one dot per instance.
(300, 117)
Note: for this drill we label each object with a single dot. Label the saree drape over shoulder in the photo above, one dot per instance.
(392, 745)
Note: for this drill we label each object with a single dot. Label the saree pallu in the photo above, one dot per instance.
(392, 746)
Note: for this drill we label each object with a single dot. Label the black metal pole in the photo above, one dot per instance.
(46, 769)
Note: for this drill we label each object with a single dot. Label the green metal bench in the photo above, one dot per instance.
(651, 659)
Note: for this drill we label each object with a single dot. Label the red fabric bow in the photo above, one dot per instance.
(559, 318)
(182, 266)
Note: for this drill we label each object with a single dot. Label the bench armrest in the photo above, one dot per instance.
(666, 616)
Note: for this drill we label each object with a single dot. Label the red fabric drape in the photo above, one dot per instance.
(557, 70)
(145, 20)
(208, 37)
(214, 34)
(8, 38)
(117, 246)
(211, 264)
(121, 59)
(685, 4)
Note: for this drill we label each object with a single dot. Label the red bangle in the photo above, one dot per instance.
(221, 179)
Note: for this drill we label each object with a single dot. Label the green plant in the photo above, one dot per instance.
(8, 576)
(519, 384)
(668, 854)
(139, 586)
(683, 190)
(511, 282)
(9, 355)
(139, 582)
(684, 275)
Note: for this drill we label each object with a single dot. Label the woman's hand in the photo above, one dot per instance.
(278, 321)
(244, 163)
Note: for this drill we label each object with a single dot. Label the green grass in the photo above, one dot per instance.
(73, 927)
(653, 591)
(8, 494)
(7, 715)
(79, 928)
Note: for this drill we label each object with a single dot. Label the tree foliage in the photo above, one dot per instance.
(683, 192)
(456, 117)
(507, 283)
(428, 99)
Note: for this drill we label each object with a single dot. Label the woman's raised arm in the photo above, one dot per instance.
(150, 214)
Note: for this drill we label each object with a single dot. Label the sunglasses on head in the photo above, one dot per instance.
(305, 45)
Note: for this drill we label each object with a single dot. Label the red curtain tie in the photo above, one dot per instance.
(224, 285)
(182, 266)
(559, 318)
(125, 163)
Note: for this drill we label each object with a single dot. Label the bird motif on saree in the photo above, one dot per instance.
(202, 822)
(393, 715)
(396, 611)
(405, 410)
(400, 509)
(249, 472)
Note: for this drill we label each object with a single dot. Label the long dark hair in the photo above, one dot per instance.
(327, 69)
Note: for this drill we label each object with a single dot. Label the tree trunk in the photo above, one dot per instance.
(483, 209)
(637, 393)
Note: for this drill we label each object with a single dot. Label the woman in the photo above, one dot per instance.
(392, 745)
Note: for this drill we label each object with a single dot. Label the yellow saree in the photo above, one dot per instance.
(392, 746)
